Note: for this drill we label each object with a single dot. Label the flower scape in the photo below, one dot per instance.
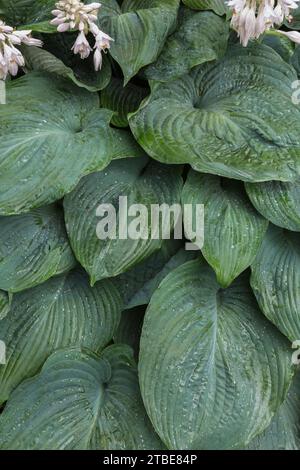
(183, 342)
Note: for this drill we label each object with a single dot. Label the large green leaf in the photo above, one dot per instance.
(33, 248)
(79, 401)
(233, 230)
(64, 311)
(41, 60)
(4, 304)
(284, 430)
(212, 369)
(278, 202)
(275, 280)
(139, 31)
(52, 133)
(142, 182)
(122, 100)
(218, 6)
(226, 118)
(200, 37)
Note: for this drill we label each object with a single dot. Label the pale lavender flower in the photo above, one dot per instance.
(81, 46)
(75, 15)
(10, 57)
(251, 18)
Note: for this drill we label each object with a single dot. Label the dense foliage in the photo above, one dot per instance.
(141, 344)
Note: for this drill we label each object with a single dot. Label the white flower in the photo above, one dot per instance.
(102, 43)
(81, 46)
(292, 35)
(251, 18)
(75, 15)
(97, 59)
(10, 57)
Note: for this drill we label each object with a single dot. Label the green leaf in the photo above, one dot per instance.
(284, 430)
(200, 37)
(218, 6)
(64, 311)
(278, 202)
(4, 304)
(139, 32)
(41, 60)
(275, 280)
(52, 133)
(212, 369)
(233, 230)
(142, 182)
(122, 100)
(33, 248)
(226, 118)
(139, 283)
(281, 44)
(21, 12)
(79, 401)
(130, 328)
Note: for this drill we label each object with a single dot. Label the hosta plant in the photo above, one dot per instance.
(149, 225)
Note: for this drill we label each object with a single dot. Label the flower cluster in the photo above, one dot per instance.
(75, 15)
(251, 18)
(10, 57)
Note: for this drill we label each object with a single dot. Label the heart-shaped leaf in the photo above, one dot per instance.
(64, 311)
(139, 31)
(200, 37)
(79, 401)
(226, 118)
(233, 230)
(275, 280)
(96, 203)
(278, 202)
(212, 369)
(33, 248)
(52, 133)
